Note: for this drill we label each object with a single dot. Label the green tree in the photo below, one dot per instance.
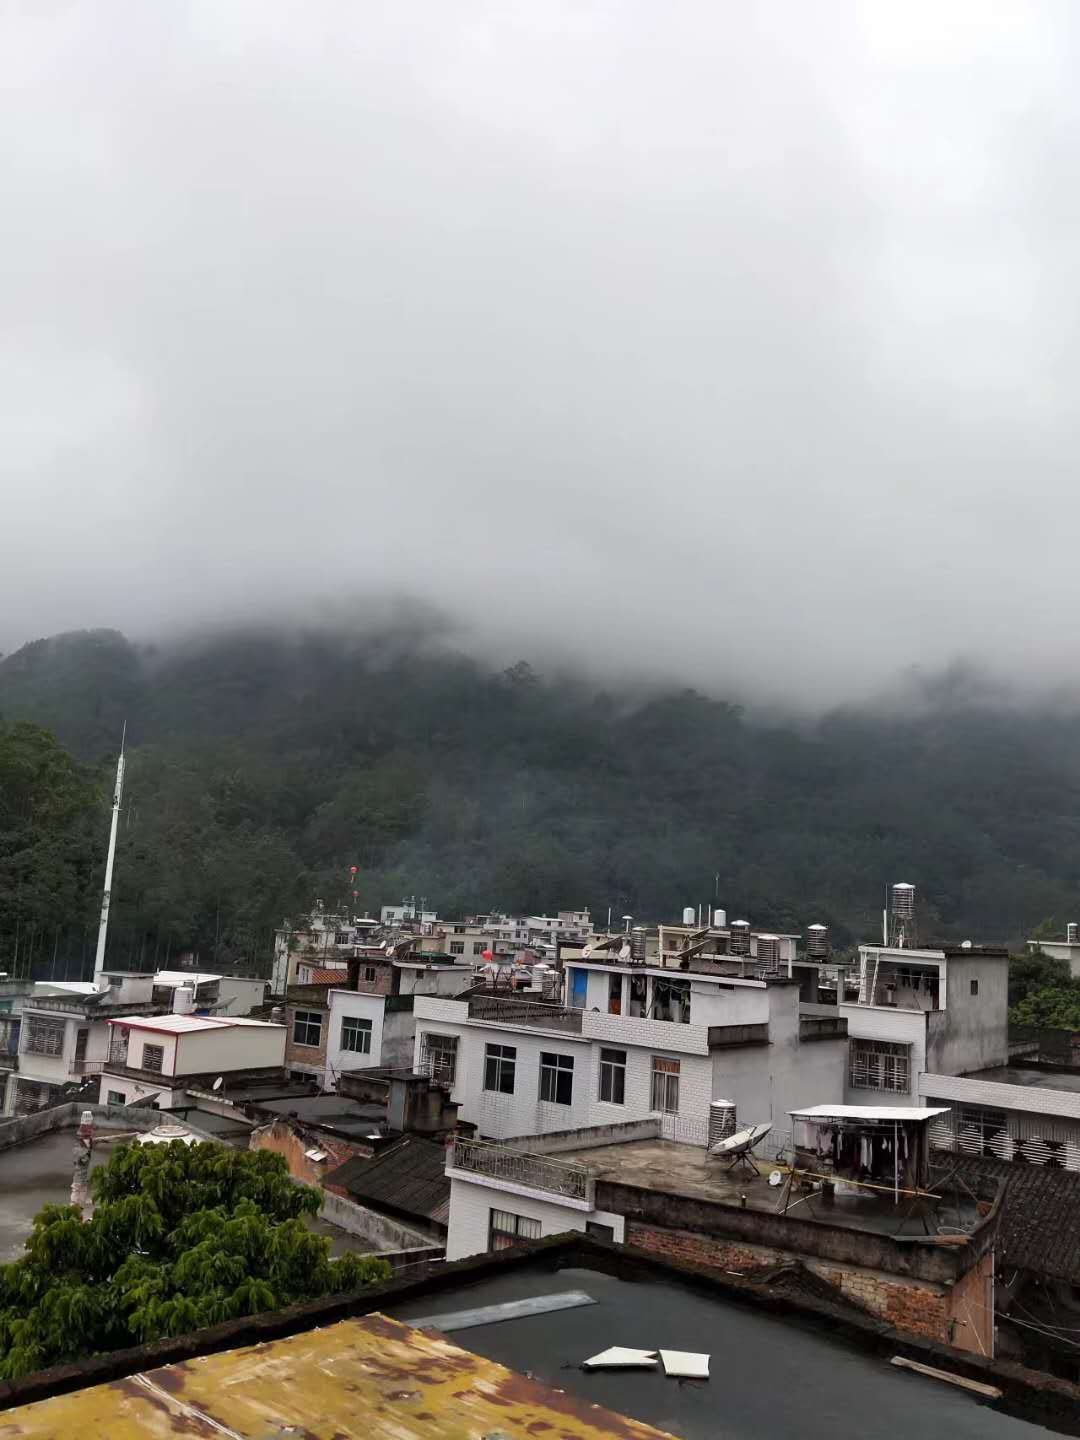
(1055, 1007)
(181, 1237)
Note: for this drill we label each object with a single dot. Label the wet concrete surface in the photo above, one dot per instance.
(39, 1173)
(32, 1175)
(768, 1378)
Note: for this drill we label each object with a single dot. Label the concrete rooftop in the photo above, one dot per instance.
(769, 1379)
(686, 1170)
(1028, 1076)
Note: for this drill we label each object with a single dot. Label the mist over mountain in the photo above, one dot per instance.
(263, 765)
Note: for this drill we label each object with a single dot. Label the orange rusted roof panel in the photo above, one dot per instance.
(371, 1377)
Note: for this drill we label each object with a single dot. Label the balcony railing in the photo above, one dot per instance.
(518, 1167)
(504, 1010)
(87, 1067)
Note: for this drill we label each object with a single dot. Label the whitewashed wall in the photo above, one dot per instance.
(470, 1217)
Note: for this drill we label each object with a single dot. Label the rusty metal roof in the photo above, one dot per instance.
(369, 1376)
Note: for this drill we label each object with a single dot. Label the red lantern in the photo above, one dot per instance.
(488, 955)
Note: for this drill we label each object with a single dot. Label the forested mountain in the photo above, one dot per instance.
(261, 766)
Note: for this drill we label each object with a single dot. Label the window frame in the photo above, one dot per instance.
(152, 1059)
(36, 1026)
(614, 1072)
(307, 1019)
(523, 1227)
(500, 1063)
(665, 1074)
(556, 1079)
(447, 1045)
(883, 1066)
(361, 1026)
(456, 947)
(115, 1097)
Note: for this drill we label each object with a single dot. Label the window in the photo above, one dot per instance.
(974, 987)
(370, 973)
(879, 1065)
(665, 1084)
(152, 1058)
(457, 947)
(81, 1038)
(613, 1076)
(341, 938)
(671, 1001)
(307, 1027)
(602, 1232)
(438, 1057)
(116, 1097)
(356, 1035)
(556, 1078)
(479, 946)
(43, 1037)
(499, 1062)
(506, 1229)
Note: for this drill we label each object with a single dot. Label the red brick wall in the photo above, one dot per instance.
(911, 1305)
(280, 1137)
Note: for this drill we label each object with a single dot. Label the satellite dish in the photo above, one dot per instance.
(219, 1082)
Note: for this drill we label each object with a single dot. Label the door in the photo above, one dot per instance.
(579, 986)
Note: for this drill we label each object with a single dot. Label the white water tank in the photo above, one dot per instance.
(768, 950)
(739, 943)
(1072, 932)
(719, 919)
(817, 942)
(183, 1000)
(688, 914)
(721, 1120)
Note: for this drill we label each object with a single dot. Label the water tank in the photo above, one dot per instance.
(183, 1000)
(817, 942)
(739, 944)
(903, 901)
(688, 914)
(719, 919)
(721, 1120)
(277, 1015)
(637, 944)
(1072, 932)
(768, 951)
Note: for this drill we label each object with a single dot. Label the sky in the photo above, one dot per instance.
(730, 343)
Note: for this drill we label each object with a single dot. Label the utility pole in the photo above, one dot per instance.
(106, 898)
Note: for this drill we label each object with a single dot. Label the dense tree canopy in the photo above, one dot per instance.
(181, 1237)
(262, 766)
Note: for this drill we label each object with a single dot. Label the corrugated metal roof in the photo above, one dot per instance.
(371, 1376)
(865, 1112)
(409, 1177)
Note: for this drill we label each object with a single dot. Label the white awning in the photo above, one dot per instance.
(825, 1113)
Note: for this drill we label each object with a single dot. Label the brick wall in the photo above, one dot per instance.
(917, 1307)
(284, 1140)
(309, 1058)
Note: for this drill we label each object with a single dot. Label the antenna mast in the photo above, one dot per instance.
(106, 897)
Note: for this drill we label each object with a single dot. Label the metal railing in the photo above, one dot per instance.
(518, 1167)
(503, 1010)
(87, 1067)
